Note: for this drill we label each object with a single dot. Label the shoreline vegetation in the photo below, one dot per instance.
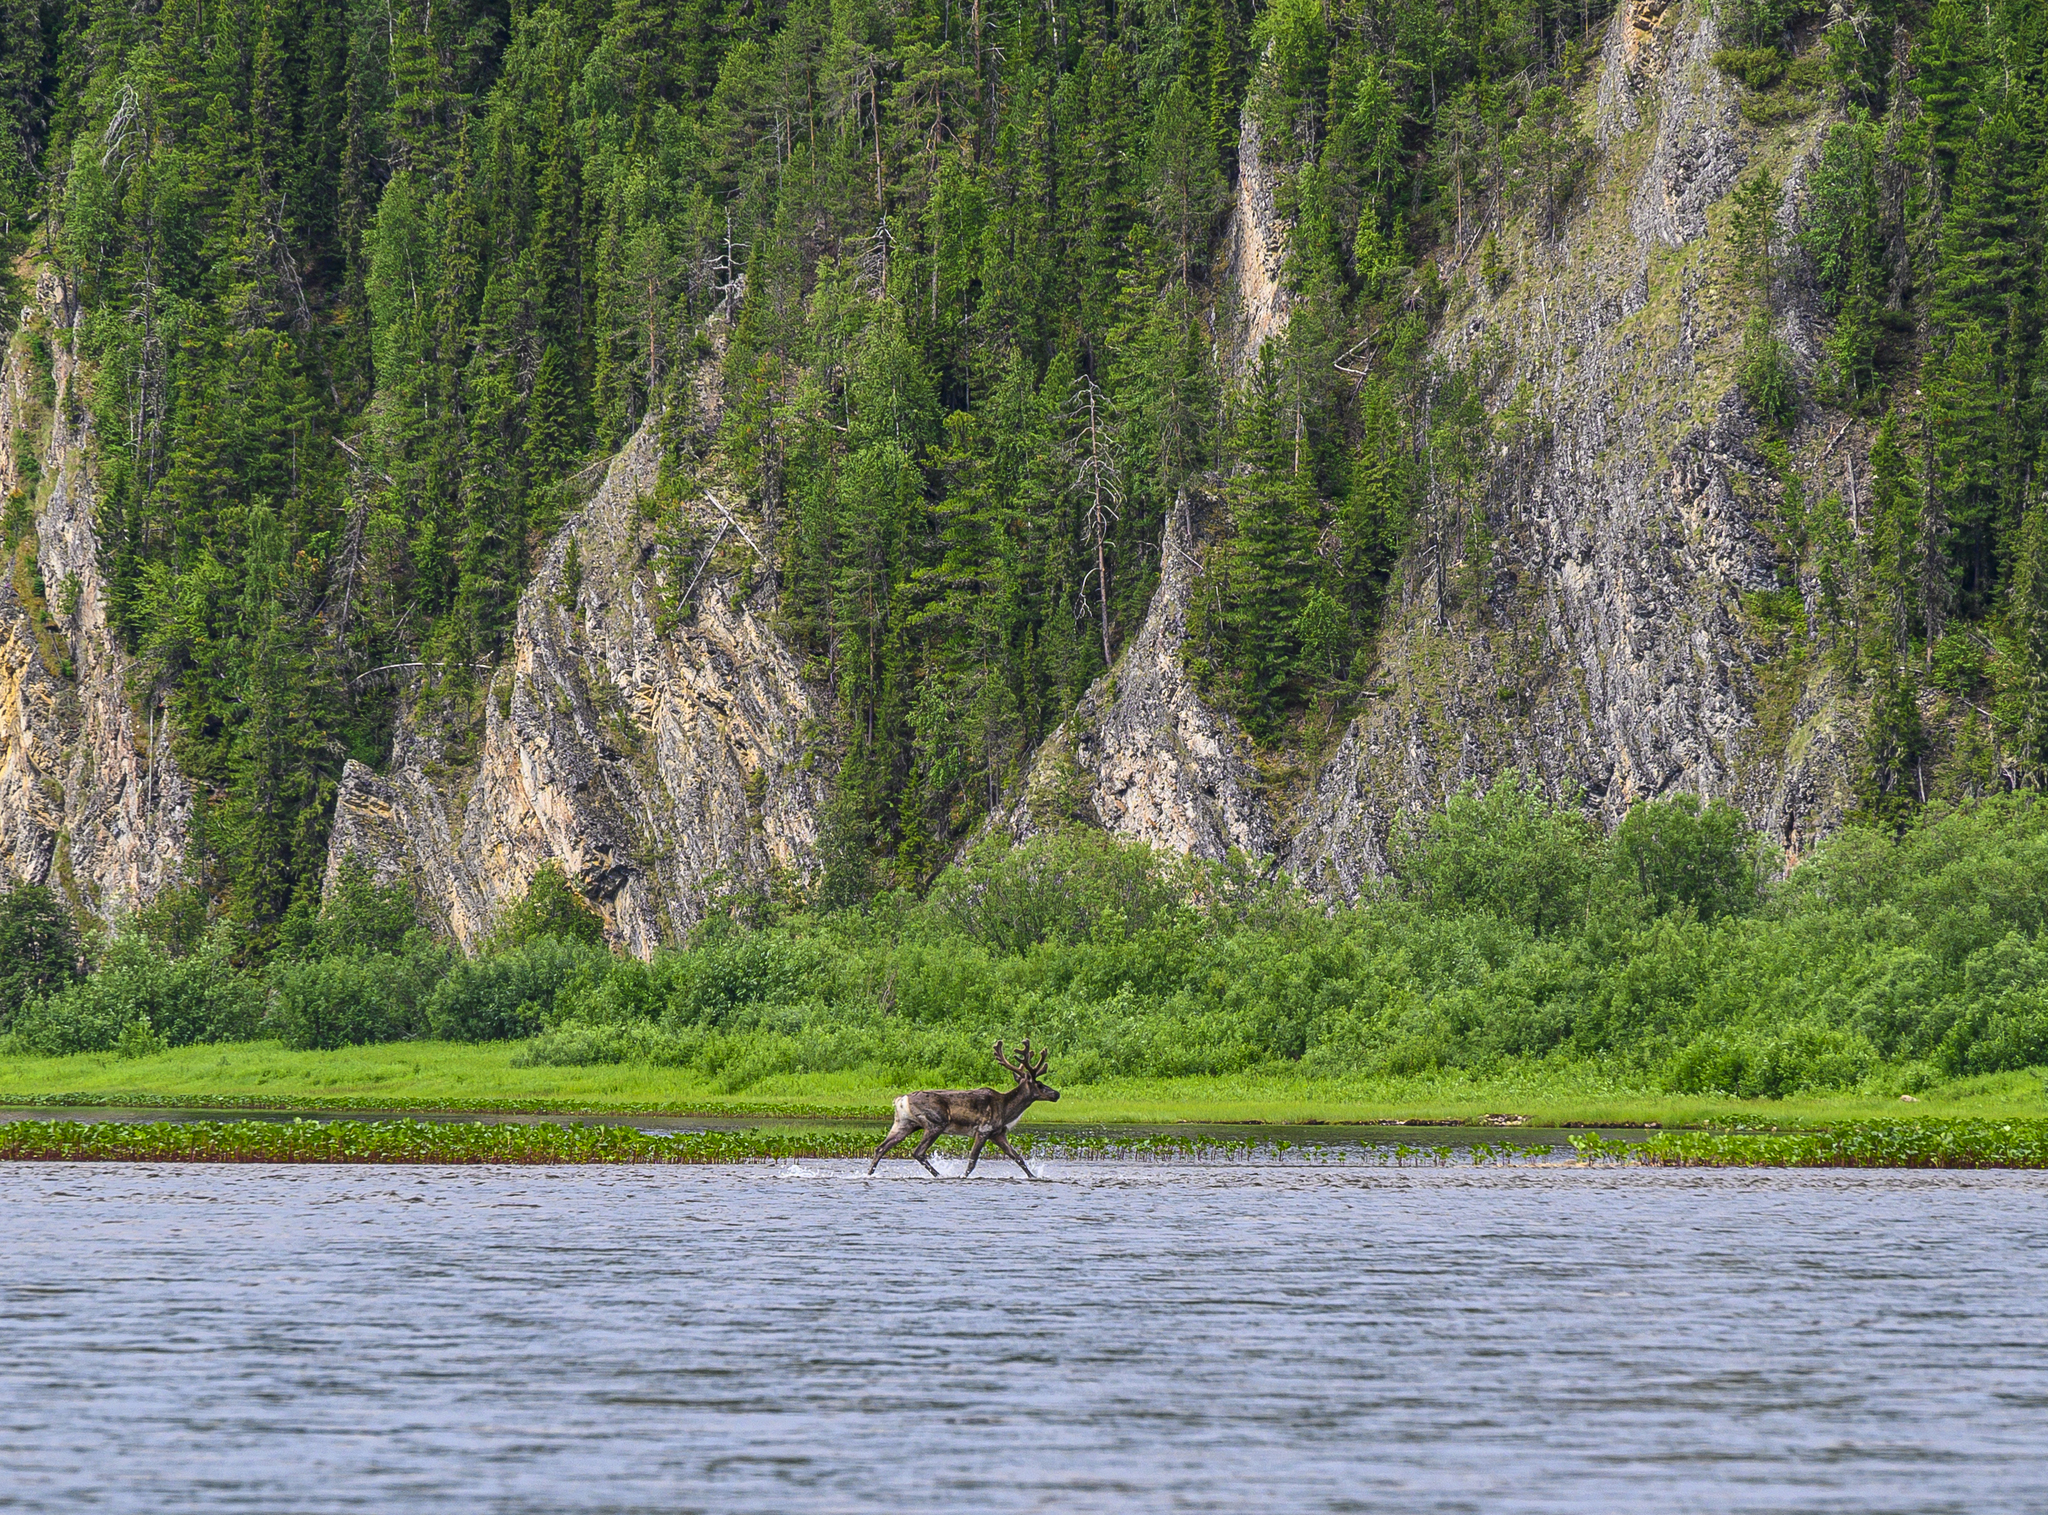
(1924, 1143)
(430, 1077)
(1517, 965)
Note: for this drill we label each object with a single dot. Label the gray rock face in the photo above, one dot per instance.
(1580, 615)
(1142, 755)
(1657, 48)
(658, 765)
(1254, 305)
(90, 801)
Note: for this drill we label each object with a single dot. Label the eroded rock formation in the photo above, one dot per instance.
(660, 764)
(91, 802)
(1582, 617)
(1143, 755)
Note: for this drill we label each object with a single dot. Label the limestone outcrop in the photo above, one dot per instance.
(1582, 614)
(1143, 756)
(1253, 303)
(91, 802)
(661, 761)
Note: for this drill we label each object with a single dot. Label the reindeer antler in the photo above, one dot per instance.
(1023, 1066)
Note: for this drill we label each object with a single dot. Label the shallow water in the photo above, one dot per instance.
(1119, 1337)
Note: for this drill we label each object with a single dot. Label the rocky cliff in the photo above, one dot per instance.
(1581, 615)
(1143, 755)
(661, 760)
(90, 800)
(1577, 612)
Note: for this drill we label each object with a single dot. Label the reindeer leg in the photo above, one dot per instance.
(922, 1152)
(1004, 1143)
(896, 1134)
(974, 1155)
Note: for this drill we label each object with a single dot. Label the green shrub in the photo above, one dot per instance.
(1766, 379)
(1060, 887)
(347, 1001)
(1765, 1065)
(177, 1001)
(1506, 851)
(504, 995)
(550, 907)
(1757, 67)
(358, 917)
(1998, 1022)
(1680, 854)
(1759, 23)
(39, 952)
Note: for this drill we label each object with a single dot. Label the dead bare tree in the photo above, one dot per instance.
(981, 1113)
(1096, 472)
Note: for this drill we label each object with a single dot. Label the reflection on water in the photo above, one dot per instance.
(1121, 1337)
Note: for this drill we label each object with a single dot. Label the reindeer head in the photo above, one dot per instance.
(1028, 1074)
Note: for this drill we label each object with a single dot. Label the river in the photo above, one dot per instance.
(1118, 1337)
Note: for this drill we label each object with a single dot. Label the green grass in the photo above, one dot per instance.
(459, 1076)
(1927, 1143)
(1935, 1143)
(465, 1142)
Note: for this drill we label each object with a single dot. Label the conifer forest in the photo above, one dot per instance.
(363, 293)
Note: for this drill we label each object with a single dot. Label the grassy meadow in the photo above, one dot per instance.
(429, 1075)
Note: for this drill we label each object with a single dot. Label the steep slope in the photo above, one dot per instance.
(1143, 755)
(1583, 617)
(1579, 612)
(658, 764)
(91, 802)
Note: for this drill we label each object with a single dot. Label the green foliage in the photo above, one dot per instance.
(1759, 24)
(1766, 379)
(1507, 851)
(501, 1142)
(1057, 888)
(1514, 937)
(1755, 1064)
(346, 1000)
(550, 908)
(503, 995)
(1956, 663)
(1681, 854)
(139, 994)
(39, 948)
(1757, 67)
(1926, 1143)
(1842, 236)
(358, 917)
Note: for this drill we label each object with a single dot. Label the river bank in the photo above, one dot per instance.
(1893, 1143)
(428, 1076)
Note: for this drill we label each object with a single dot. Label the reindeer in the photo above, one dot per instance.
(981, 1113)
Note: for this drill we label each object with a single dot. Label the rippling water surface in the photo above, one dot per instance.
(1118, 1337)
